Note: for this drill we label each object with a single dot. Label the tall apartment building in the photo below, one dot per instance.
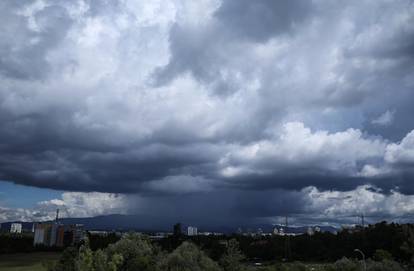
(54, 234)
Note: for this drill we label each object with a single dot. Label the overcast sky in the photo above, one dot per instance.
(207, 111)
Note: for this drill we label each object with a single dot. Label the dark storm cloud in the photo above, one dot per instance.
(222, 207)
(251, 99)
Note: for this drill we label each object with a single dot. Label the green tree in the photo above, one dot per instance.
(116, 261)
(188, 257)
(137, 253)
(85, 258)
(231, 260)
(408, 244)
(102, 263)
(67, 261)
(345, 264)
(381, 255)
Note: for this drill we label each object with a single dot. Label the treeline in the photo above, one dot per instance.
(393, 239)
(330, 247)
(137, 252)
(320, 247)
(23, 243)
(17, 243)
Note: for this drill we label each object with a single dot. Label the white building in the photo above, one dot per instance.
(310, 231)
(16, 228)
(192, 231)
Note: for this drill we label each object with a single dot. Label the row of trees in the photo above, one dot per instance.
(18, 243)
(135, 252)
(383, 243)
(320, 247)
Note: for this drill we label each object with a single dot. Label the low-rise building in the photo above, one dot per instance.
(310, 231)
(191, 231)
(16, 228)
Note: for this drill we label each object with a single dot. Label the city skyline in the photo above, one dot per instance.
(214, 112)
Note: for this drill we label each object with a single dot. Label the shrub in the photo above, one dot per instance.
(67, 261)
(381, 255)
(346, 264)
(385, 265)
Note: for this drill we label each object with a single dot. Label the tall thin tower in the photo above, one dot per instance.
(57, 215)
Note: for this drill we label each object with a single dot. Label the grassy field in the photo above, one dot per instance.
(26, 261)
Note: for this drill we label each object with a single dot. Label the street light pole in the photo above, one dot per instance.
(363, 257)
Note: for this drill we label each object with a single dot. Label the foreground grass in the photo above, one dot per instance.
(288, 266)
(26, 261)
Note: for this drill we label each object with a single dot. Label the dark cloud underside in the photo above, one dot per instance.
(182, 98)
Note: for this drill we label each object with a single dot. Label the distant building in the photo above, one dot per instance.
(275, 231)
(16, 228)
(192, 231)
(177, 229)
(310, 231)
(100, 233)
(57, 235)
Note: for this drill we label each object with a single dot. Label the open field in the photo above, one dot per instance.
(26, 261)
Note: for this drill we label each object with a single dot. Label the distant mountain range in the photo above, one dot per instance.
(118, 222)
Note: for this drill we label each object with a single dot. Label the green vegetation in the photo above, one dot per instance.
(35, 261)
(136, 252)
(232, 258)
(19, 243)
(387, 247)
(16, 243)
(320, 247)
(380, 241)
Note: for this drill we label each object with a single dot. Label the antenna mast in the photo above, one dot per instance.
(57, 215)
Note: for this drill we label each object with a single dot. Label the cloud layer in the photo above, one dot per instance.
(71, 204)
(229, 208)
(167, 98)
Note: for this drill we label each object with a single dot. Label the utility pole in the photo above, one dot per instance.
(360, 220)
